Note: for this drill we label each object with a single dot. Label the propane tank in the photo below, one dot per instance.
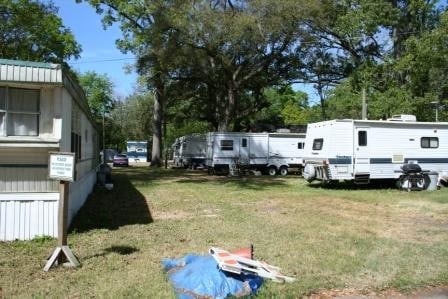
(309, 172)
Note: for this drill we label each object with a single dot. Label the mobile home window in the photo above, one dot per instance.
(362, 138)
(318, 143)
(227, 145)
(429, 142)
(244, 142)
(76, 140)
(19, 112)
(301, 145)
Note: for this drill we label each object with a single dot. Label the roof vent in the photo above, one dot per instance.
(403, 117)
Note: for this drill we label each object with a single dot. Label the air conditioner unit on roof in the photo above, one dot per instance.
(403, 117)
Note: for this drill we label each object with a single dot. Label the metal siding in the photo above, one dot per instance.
(27, 219)
(15, 72)
(41, 75)
(35, 74)
(2, 72)
(79, 191)
(54, 76)
(2, 220)
(23, 179)
(47, 75)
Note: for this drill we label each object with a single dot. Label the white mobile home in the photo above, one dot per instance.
(189, 151)
(274, 152)
(137, 151)
(42, 109)
(363, 150)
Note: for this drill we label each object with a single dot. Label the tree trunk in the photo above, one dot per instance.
(322, 99)
(229, 109)
(156, 159)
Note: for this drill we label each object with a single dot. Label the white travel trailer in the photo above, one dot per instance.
(189, 151)
(364, 150)
(137, 151)
(274, 152)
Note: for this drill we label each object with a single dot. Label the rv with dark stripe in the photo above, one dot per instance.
(364, 150)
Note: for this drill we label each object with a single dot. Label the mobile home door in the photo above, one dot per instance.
(361, 150)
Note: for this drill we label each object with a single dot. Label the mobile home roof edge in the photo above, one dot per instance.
(45, 65)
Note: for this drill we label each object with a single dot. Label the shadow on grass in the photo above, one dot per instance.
(187, 176)
(373, 185)
(124, 205)
(121, 250)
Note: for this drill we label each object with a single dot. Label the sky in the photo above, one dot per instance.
(99, 52)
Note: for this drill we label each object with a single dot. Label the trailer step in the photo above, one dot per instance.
(362, 178)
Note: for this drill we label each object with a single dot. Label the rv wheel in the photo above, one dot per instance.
(421, 183)
(272, 170)
(283, 170)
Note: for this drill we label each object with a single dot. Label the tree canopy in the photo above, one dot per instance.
(99, 93)
(32, 30)
(230, 63)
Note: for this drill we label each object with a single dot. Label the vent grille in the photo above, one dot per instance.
(398, 158)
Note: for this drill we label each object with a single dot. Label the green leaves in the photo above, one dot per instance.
(31, 30)
(99, 93)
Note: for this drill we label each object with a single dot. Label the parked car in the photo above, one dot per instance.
(120, 160)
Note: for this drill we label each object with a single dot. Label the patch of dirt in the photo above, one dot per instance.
(404, 224)
(181, 215)
(171, 215)
(439, 292)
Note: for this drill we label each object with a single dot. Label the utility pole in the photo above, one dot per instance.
(364, 104)
(104, 140)
(436, 105)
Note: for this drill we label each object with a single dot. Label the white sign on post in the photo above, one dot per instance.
(61, 166)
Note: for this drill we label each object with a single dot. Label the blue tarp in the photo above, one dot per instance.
(194, 275)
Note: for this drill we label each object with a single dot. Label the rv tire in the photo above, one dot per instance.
(283, 170)
(272, 170)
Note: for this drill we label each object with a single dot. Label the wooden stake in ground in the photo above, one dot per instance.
(61, 165)
(62, 254)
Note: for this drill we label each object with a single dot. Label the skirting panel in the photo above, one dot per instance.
(23, 218)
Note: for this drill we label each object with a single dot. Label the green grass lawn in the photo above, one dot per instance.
(362, 239)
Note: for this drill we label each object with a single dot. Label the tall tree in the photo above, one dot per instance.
(32, 30)
(223, 49)
(344, 37)
(240, 47)
(131, 118)
(142, 24)
(99, 93)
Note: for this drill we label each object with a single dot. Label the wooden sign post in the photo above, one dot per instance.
(61, 167)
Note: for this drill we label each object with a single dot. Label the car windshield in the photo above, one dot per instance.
(120, 156)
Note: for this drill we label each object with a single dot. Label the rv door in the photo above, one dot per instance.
(362, 153)
(244, 150)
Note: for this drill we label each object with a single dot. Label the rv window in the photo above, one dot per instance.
(362, 138)
(301, 145)
(227, 145)
(318, 143)
(429, 142)
(244, 142)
